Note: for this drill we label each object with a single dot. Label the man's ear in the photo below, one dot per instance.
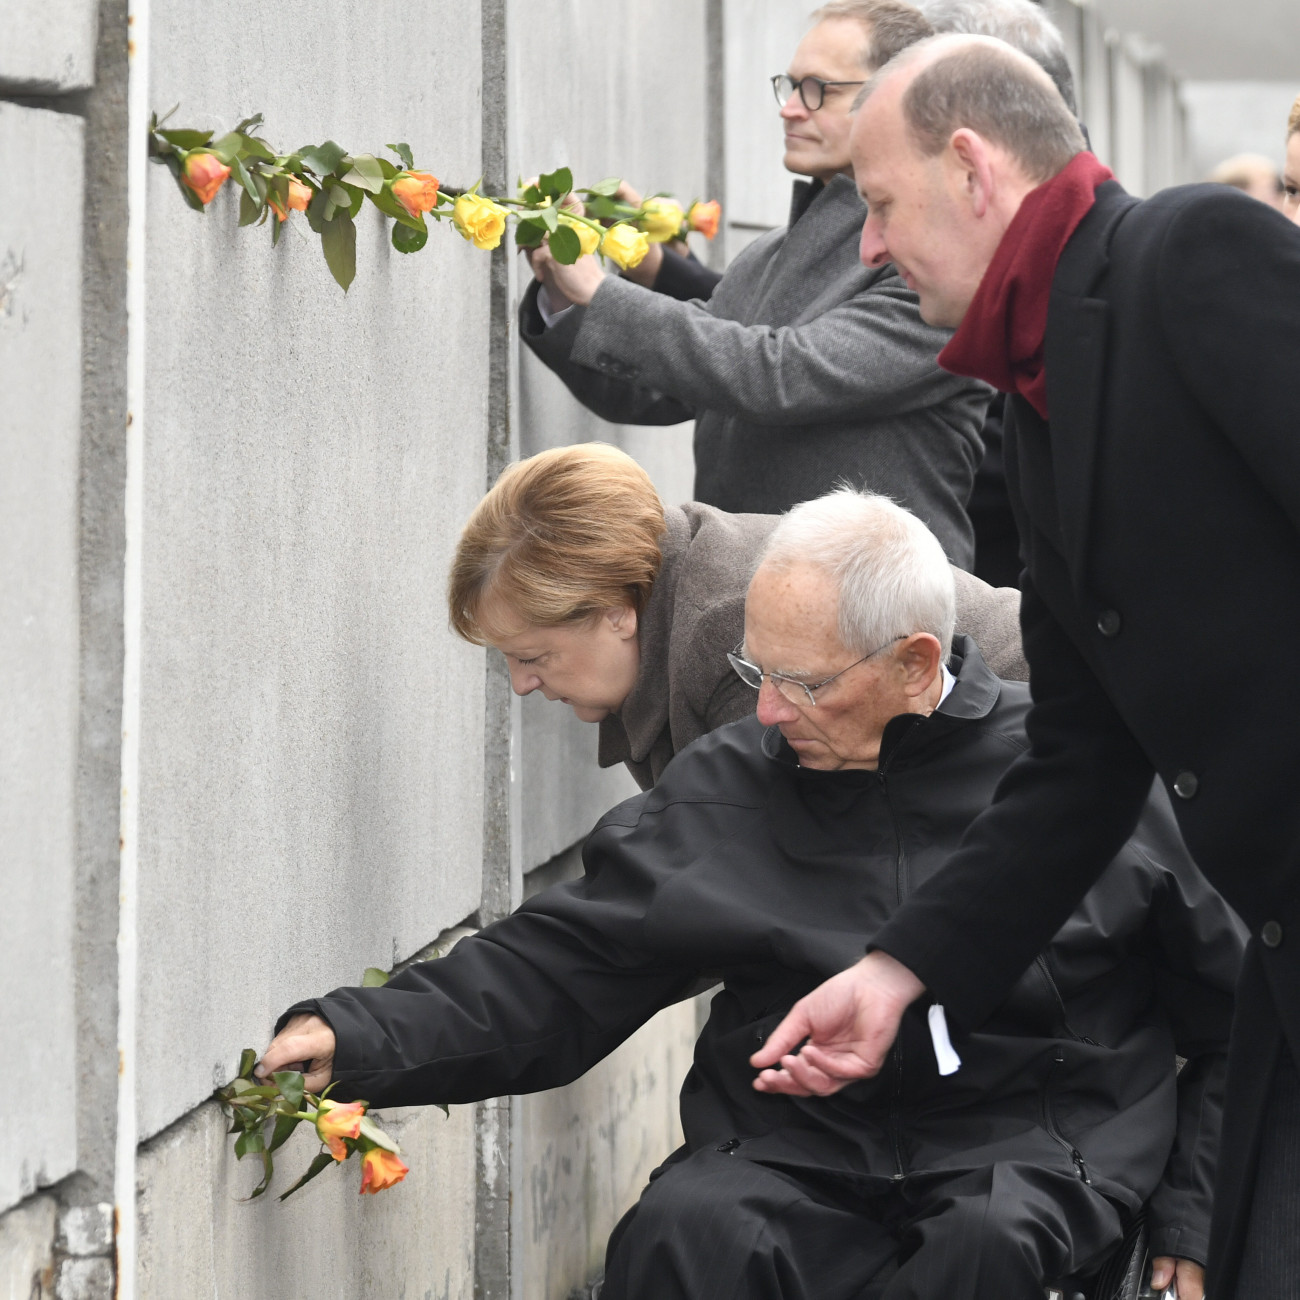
(972, 159)
(622, 621)
(919, 655)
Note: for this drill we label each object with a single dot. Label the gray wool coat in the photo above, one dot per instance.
(696, 613)
(804, 370)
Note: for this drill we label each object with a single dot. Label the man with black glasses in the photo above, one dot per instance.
(805, 368)
(764, 854)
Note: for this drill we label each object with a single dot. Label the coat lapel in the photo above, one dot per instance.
(1074, 357)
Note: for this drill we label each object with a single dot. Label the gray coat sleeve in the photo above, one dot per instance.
(871, 351)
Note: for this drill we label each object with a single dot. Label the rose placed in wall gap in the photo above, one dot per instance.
(329, 186)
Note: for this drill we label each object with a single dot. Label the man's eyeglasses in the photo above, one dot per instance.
(812, 90)
(792, 688)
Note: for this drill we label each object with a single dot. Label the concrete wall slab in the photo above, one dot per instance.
(199, 1238)
(40, 423)
(49, 46)
(27, 1250)
(588, 1149)
(312, 737)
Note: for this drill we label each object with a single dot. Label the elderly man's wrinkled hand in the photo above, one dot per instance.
(849, 1024)
(1188, 1274)
(306, 1043)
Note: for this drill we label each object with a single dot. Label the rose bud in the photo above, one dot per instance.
(480, 220)
(704, 217)
(588, 236)
(335, 1121)
(417, 192)
(661, 220)
(300, 195)
(205, 174)
(380, 1169)
(625, 245)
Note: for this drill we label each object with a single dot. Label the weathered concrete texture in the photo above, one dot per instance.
(199, 1238)
(27, 1250)
(311, 738)
(587, 1150)
(760, 37)
(40, 359)
(48, 46)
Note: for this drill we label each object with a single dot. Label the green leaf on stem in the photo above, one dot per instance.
(249, 1142)
(371, 1130)
(365, 173)
(268, 1171)
(532, 195)
(284, 1125)
(322, 1161)
(403, 151)
(257, 148)
(184, 139)
(249, 124)
(566, 247)
(276, 227)
(249, 209)
(316, 212)
(529, 233)
(605, 188)
(373, 977)
(557, 183)
(339, 244)
(390, 207)
(290, 1083)
(323, 159)
(549, 217)
(247, 1059)
(228, 147)
(388, 169)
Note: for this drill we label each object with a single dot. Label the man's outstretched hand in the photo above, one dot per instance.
(306, 1043)
(849, 1022)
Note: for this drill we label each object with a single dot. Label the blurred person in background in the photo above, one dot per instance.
(804, 369)
(1252, 174)
(1291, 176)
(602, 598)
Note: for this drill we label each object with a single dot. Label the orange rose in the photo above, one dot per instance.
(380, 1169)
(417, 192)
(335, 1121)
(205, 174)
(704, 217)
(299, 196)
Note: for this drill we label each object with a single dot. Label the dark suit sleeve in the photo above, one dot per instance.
(1198, 943)
(531, 1002)
(1229, 296)
(621, 401)
(1059, 815)
(685, 278)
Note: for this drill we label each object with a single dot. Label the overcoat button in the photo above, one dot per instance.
(728, 1146)
(1270, 934)
(1186, 785)
(1109, 622)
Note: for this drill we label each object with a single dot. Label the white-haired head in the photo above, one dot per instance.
(891, 573)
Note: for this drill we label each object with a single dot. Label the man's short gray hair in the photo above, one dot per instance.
(890, 25)
(892, 574)
(1023, 24)
(982, 84)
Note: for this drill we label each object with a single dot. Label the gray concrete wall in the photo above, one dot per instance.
(40, 359)
(48, 46)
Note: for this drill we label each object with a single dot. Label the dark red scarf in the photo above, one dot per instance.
(1001, 336)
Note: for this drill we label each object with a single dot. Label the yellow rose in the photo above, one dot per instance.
(335, 1121)
(588, 236)
(480, 220)
(625, 245)
(661, 220)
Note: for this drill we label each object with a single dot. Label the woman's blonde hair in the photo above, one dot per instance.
(560, 537)
(1293, 122)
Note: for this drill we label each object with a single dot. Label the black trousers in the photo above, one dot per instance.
(715, 1226)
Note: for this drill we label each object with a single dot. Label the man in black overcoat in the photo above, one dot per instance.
(1153, 454)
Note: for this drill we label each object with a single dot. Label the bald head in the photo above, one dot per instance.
(980, 84)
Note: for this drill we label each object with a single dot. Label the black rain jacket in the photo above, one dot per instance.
(742, 865)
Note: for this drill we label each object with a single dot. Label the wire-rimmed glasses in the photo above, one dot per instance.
(791, 688)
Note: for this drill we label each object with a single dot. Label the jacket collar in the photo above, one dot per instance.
(1074, 359)
(632, 732)
(970, 700)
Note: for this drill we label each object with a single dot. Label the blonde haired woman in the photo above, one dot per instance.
(604, 599)
(1291, 173)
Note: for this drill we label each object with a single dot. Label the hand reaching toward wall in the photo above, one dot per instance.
(306, 1043)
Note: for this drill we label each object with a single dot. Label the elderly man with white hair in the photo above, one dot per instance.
(764, 854)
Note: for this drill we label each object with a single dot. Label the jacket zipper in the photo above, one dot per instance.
(1049, 1119)
(1041, 962)
(900, 888)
